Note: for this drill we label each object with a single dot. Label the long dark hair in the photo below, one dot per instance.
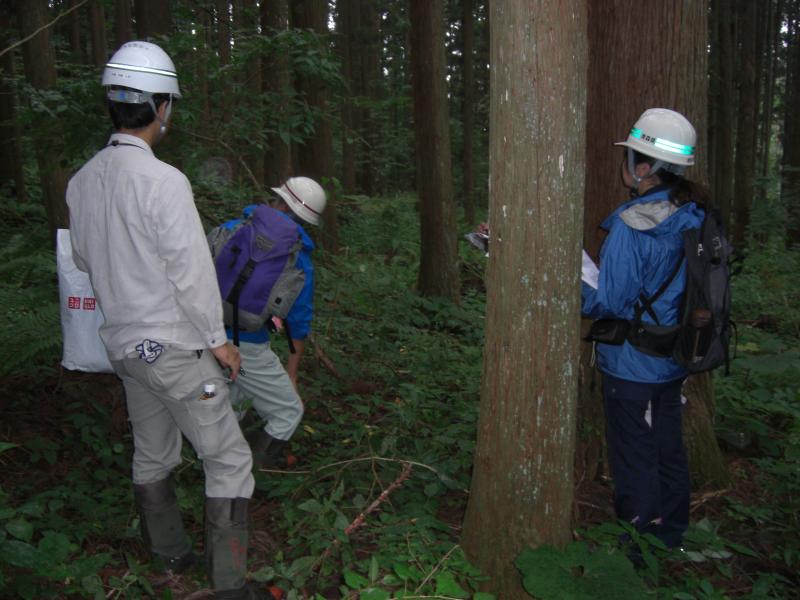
(681, 190)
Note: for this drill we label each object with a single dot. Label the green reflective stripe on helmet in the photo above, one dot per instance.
(142, 69)
(663, 144)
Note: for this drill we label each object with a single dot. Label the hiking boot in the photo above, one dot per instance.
(226, 546)
(268, 452)
(162, 525)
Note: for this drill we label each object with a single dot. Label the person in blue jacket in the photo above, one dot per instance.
(642, 392)
(272, 389)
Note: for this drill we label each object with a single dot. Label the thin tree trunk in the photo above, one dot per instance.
(246, 20)
(790, 164)
(468, 109)
(39, 60)
(123, 22)
(11, 173)
(725, 125)
(773, 46)
(348, 15)
(97, 27)
(315, 157)
(75, 32)
(276, 81)
(153, 18)
(522, 484)
(371, 76)
(438, 269)
(746, 123)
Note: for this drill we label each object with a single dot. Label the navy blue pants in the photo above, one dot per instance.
(648, 461)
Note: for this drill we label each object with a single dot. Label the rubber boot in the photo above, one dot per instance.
(162, 526)
(268, 451)
(226, 550)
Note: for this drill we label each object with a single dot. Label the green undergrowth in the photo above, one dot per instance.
(373, 509)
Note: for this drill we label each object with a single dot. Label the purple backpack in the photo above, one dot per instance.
(257, 272)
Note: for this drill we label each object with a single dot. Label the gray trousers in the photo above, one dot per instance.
(164, 400)
(267, 384)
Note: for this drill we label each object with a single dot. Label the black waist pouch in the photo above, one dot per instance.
(609, 331)
(654, 340)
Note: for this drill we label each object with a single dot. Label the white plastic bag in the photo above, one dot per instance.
(80, 314)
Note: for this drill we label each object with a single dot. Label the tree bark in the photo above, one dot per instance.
(153, 18)
(438, 270)
(790, 163)
(744, 165)
(97, 27)
(522, 485)
(246, 21)
(468, 109)
(768, 105)
(347, 22)
(674, 76)
(12, 176)
(369, 41)
(223, 32)
(276, 81)
(74, 27)
(724, 115)
(706, 462)
(123, 22)
(315, 157)
(39, 60)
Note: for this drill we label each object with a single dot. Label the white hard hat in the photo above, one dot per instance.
(305, 197)
(142, 66)
(665, 135)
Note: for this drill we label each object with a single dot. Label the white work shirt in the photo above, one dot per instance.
(136, 231)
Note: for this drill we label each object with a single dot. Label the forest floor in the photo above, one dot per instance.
(46, 418)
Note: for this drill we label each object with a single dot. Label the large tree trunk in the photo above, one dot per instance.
(438, 269)
(674, 76)
(276, 80)
(468, 109)
(12, 176)
(123, 22)
(97, 27)
(522, 484)
(746, 122)
(153, 18)
(40, 71)
(315, 157)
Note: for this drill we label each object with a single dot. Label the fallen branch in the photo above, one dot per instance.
(361, 518)
(319, 354)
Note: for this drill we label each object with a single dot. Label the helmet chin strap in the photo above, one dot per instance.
(637, 179)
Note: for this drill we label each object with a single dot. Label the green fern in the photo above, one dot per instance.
(30, 336)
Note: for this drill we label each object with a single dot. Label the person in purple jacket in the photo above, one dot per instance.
(272, 389)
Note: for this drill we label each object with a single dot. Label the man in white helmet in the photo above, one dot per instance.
(643, 272)
(136, 231)
(271, 388)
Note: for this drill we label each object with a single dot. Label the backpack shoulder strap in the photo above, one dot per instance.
(645, 304)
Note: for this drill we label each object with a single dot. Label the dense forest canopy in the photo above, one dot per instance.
(452, 445)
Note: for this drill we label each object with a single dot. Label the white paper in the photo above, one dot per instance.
(589, 271)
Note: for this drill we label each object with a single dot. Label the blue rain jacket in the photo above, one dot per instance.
(302, 311)
(643, 246)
